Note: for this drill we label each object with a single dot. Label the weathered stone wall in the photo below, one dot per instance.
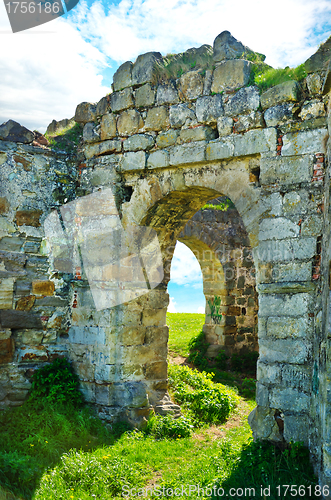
(164, 148)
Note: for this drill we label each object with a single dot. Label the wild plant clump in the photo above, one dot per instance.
(57, 383)
(205, 401)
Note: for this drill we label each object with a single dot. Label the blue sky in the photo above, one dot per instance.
(46, 71)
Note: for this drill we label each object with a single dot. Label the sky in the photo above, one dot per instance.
(46, 71)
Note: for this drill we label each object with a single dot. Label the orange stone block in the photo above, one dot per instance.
(43, 287)
(28, 217)
(7, 348)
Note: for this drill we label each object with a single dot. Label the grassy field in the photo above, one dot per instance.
(59, 452)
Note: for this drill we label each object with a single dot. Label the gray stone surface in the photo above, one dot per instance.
(247, 122)
(90, 134)
(168, 138)
(230, 75)
(224, 126)
(278, 115)
(255, 141)
(133, 161)
(312, 109)
(200, 133)
(278, 229)
(289, 399)
(103, 106)
(121, 100)
(187, 153)
(158, 159)
(101, 148)
(284, 351)
(144, 96)
(218, 150)
(208, 109)
(180, 115)
(108, 126)
(242, 102)
(287, 250)
(166, 94)
(13, 131)
(144, 68)
(286, 170)
(85, 112)
(227, 47)
(308, 141)
(138, 142)
(129, 122)
(295, 305)
(190, 85)
(284, 92)
(123, 76)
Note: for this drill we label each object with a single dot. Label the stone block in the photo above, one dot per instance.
(156, 371)
(143, 70)
(286, 170)
(224, 126)
(90, 133)
(43, 287)
(208, 109)
(296, 429)
(157, 119)
(121, 100)
(187, 153)
(244, 101)
(13, 131)
(230, 75)
(101, 148)
(296, 305)
(123, 76)
(293, 271)
(255, 141)
(129, 122)
(103, 106)
(295, 202)
(144, 96)
(32, 337)
(180, 115)
(247, 122)
(307, 141)
(227, 47)
(7, 349)
(166, 94)
(4, 205)
(219, 150)
(312, 225)
(86, 112)
(312, 109)
(154, 317)
(278, 115)
(6, 293)
(284, 350)
(278, 229)
(156, 335)
(190, 86)
(320, 60)
(158, 159)
(25, 303)
(19, 319)
(138, 142)
(284, 92)
(200, 133)
(287, 399)
(28, 217)
(262, 395)
(168, 138)
(133, 161)
(286, 250)
(314, 83)
(263, 424)
(108, 126)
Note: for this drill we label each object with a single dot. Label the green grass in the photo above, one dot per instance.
(61, 452)
(267, 77)
(66, 139)
(182, 328)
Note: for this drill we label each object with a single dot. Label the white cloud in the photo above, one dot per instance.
(288, 33)
(201, 310)
(185, 269)
(171, 306)
(46, 72)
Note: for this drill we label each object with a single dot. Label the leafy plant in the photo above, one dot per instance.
(244, 362)
(221, 360)
(205, 400)
(169, 427)
(66, 139)
(57, 383)
(198, 348)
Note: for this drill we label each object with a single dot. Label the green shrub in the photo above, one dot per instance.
(169, 427)
(198, 348)
(244, 362)
(269, 77)
(221, 360)
(205, 400)
(57, 383)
